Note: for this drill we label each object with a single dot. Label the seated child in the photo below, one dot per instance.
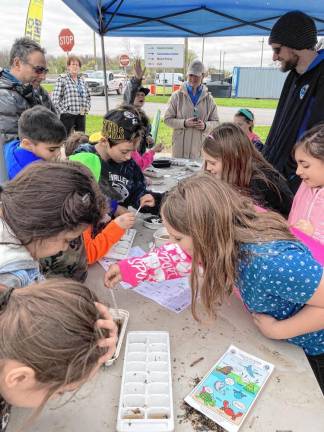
(51, 343)
(121, 132)
(94, 243)
(41, 136)
(73, 141)
(42, 210)
(245, 119)
(308, 206)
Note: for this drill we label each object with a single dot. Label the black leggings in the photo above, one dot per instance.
(317, 364)
(71, 121)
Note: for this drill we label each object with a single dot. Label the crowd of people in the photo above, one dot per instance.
(250, 222)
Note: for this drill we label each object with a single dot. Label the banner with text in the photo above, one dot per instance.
(164, 56)
(34, 20)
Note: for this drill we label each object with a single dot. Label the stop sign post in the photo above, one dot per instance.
(124, 60)
(66, 40)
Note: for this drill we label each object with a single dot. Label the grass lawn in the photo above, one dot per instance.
(240, 103)
(94, 124)
(48, 87)
(229, 102)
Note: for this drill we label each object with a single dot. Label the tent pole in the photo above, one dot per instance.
(104, 70)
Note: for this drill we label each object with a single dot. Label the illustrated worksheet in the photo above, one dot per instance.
(228, 391)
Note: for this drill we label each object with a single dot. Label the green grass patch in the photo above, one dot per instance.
(94, 124)
(48, 87)
(229, 102)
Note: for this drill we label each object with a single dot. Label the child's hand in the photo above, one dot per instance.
(158, 148)
(305, 226)
(106, 322)
(112, 276)
(267, 325)
(147, 200)
(139, 72)
(125, 220)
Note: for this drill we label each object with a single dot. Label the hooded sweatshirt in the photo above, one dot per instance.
(308, 204)
(300, 107)
(16, 158)
(17, 267)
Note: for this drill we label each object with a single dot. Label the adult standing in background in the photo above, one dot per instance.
(191, 113)
(301, 104)
(71, 97)
(27, 69)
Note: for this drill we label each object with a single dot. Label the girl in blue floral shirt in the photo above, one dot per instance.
(232, 244)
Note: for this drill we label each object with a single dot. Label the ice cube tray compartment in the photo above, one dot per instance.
(122, 316)
(146, 403)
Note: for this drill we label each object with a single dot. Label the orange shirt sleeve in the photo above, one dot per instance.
(97, 247)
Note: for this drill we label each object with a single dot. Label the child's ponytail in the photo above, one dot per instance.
(47, 198)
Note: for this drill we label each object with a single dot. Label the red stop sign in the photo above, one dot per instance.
(66, 40)
(124, 60)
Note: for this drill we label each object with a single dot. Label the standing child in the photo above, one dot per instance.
(230, 156)
(51, 342)
(308, 206)
(43, 209)
(229, 243)
(41, 136)
(244, 118)
(121, 132)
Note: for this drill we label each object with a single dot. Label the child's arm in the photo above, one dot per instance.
(167, 262)
(307, 320)
(97, 247)
(145, 160)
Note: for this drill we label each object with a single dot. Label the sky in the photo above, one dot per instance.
(239, 51)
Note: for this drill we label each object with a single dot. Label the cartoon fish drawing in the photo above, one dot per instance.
(238, 394)
(219, 385)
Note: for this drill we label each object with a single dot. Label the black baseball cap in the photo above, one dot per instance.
(121, 124)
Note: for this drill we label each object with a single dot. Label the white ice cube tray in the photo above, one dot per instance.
(146, 403)
(121, 249)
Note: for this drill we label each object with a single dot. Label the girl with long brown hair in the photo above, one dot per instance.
(231, 244)
(50, 343)
(44, 208)
(229, 155)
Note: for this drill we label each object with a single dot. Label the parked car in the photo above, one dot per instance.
(96, 83)
(168, 78)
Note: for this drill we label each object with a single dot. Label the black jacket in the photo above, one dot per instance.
(277, 198)
(301, 106)
(125, 178)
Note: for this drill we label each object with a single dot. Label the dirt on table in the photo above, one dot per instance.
(199, 422)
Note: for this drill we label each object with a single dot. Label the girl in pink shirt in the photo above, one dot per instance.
(307, 212)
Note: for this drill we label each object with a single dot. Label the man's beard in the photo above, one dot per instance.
(289, 64)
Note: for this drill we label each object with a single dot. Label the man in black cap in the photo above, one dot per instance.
(301, 104)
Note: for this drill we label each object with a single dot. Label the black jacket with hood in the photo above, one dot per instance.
(301, 106)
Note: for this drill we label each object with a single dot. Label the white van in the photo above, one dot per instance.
(168, 78)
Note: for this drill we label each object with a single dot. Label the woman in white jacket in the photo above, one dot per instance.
(192, 114)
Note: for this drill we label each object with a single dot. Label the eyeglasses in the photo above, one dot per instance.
(276, 50)
(38, 69)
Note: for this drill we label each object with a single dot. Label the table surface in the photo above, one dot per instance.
(291, 400)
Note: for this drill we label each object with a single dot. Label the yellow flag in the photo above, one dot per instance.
(34, 20)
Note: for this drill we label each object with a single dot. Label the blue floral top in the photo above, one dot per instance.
(278, 278)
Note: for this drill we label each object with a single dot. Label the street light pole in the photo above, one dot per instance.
(262, 43)
(203, 50)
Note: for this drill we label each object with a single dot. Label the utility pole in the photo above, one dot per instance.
(224, 52)
(203, 50)
(262, 43)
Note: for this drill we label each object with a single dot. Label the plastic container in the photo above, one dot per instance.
(161, 236)
(153, 222)
(123, 316)
(146, 402)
